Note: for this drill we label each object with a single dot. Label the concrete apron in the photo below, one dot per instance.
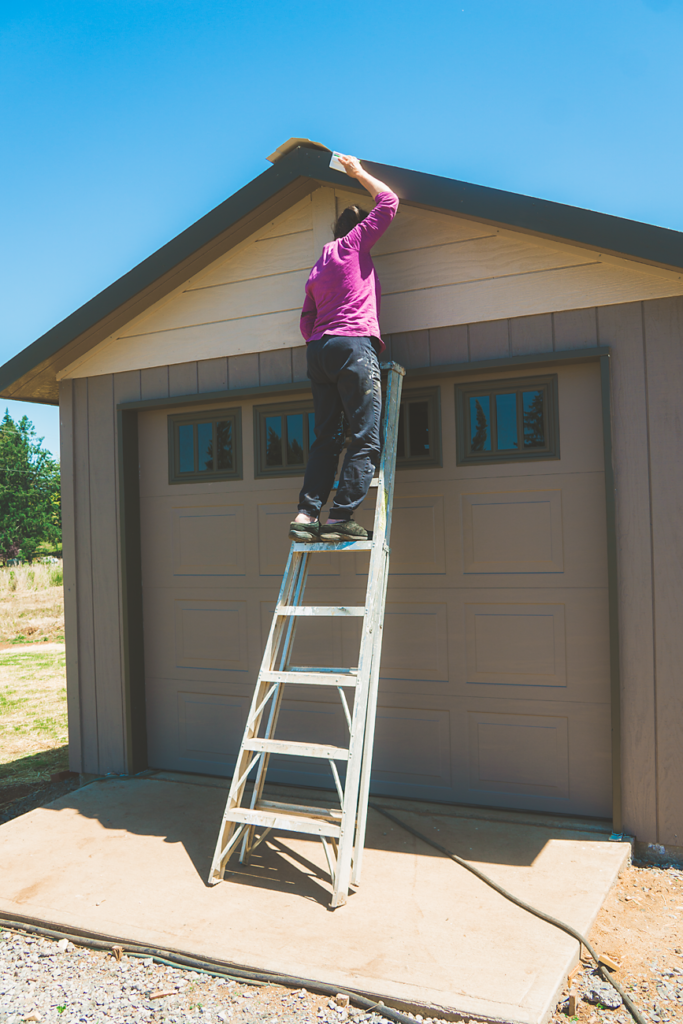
(129, 859)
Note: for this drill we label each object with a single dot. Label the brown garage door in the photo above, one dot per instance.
(495, 674)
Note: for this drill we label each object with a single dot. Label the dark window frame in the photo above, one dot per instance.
(282, 409)
(213, 416)
(432, 395)
(464, 391)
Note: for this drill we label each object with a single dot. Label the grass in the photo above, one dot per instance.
(31, 604)
(33, 719)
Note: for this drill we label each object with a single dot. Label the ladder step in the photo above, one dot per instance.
(297, 749)
(342, 545)
(319, 609)
(289, 822)
(302, 677)
(330, 813)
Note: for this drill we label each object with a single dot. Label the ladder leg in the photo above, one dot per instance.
(295, 569)
(284, 652)
(367, 751)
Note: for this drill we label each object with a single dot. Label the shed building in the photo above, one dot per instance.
(533, 643)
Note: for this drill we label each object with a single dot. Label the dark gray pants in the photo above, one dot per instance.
(345, 377)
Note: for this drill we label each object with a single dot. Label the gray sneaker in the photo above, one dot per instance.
(337, 532)
(305, 532)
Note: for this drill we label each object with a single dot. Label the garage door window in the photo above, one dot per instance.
(419, 434)
(504, 421)
(205, 447)
(284, 435)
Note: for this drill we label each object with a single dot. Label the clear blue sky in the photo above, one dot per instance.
(123, 121)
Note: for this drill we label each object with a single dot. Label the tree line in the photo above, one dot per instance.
(30, 499)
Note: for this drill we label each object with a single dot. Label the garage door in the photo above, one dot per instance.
(495, 671)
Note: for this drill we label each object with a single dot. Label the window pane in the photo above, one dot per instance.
(401, 441)
(186, 448)
(224, 445)
(534, 426)
(273, 440)
(295, 439)
(506, 422)
(418, 425)
(311, 429)
(204, 447)
(480, 419)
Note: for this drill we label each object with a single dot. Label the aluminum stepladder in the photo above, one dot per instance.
(344, 826)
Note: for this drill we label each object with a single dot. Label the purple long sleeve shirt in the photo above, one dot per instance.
(343, 291)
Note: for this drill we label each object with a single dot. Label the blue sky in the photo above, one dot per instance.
(126, 120)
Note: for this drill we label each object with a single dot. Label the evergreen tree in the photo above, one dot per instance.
(30, 503)
(482, 431)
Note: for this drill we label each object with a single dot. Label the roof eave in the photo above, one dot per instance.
(31, 373)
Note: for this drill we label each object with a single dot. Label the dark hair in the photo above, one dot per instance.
(347, 220)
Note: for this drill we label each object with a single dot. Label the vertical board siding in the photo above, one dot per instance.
(105, 573)
(212, 375)
(621, 327)
(575, 328)
(90, 761)
(275, 367)
(243, 371)
(182, 379)
(489, 340)
(411, 348)
(531, 334)
(154, 382)
(73, 697)
(663, 321)
(448, 345)
(299, 363)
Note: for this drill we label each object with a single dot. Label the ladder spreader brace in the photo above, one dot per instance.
(341, 828)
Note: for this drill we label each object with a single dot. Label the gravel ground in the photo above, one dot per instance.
(44, 980)
(640, 925)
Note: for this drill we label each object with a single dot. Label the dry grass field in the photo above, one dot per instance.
(33, 731)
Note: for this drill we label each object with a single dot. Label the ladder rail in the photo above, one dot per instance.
(369, 650)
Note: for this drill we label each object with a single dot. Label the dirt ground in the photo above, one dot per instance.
(641, 926)
(31, 604)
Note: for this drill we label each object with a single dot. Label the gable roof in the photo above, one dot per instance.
(31, 374)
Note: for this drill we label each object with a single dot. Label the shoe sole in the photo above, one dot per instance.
(304, 537)
(337, 538)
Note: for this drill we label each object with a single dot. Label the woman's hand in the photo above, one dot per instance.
(351, 165)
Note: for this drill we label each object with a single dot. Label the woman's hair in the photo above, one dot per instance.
(347, 220)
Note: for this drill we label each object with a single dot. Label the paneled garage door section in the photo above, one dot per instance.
(495, 674)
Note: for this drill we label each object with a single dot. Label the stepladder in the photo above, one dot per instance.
(249, 817)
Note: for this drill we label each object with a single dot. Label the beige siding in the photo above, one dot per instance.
(647, 344)
(621, 328)
(663, 328)
(436, 270)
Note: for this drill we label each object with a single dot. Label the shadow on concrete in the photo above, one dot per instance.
(190, 813)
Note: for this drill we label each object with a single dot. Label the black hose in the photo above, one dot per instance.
(216, 970)
(604, 973)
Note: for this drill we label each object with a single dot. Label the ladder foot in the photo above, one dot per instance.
(337, 900)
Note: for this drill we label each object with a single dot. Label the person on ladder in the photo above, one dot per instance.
(339, 323)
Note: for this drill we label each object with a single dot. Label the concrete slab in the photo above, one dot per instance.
(129, 859)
